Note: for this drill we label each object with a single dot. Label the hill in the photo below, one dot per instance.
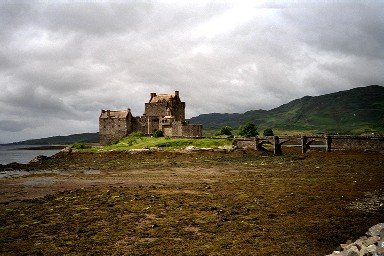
(62, 140)
(356, 111)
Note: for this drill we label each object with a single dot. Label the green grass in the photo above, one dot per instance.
(145, 142)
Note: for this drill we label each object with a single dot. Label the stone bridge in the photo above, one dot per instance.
(328, 141)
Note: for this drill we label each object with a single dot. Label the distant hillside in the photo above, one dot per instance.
(63, 140)
(357, 110)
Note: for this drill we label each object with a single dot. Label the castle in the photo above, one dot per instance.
(165, 112)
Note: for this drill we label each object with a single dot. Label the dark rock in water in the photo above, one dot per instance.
(12, 166)
(39, 159)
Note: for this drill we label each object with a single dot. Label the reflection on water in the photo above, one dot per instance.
(12, 174)
(39, 181)
(23, 153)
(20, 173)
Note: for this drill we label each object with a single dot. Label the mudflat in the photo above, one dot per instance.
(190, 203)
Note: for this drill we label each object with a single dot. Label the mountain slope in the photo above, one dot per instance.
(353, 111)
(63, 140)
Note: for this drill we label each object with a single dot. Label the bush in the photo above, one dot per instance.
(226, 130)
(248, 130)
(158, 133)
(136, 134)
(78, 145)
(268, 132)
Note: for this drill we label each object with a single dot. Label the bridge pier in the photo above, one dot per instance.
(277, 146)
(305, 144)
(304, 141)
(328, 143)
(259, 144)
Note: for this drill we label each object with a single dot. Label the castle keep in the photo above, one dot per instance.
(165, 112)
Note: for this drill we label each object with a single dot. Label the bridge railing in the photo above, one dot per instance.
(329, 141)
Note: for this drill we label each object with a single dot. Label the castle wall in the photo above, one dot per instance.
(159, 109)
(168, 131)
(179, 111)
(113, 129)
(192, 130)
(156, 109)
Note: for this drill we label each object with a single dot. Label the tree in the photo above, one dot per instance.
(268, 132)
(226, 130)
(248, 130)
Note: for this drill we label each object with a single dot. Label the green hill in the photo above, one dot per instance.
(63, 140)
(354, 111)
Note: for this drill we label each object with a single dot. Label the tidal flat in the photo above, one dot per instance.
(190, 203)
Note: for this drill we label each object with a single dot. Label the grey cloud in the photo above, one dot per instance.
(12, 125)
(353, 28)
(61, 63)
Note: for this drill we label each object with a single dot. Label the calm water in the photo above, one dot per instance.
(18, 153)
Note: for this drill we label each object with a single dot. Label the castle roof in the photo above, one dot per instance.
(114, 113)
(162, 98)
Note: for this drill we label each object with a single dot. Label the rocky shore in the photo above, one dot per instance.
(370, 245)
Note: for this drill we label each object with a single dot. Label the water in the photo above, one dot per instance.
(19, 153)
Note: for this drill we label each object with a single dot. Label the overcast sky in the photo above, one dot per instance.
(61, 62)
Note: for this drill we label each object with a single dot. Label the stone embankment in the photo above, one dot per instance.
(370, 245)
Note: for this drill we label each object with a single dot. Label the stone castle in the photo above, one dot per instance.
(165, 112)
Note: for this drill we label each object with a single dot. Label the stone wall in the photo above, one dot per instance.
(192, 130)
(112, 129)
(245, 143)
(156, 109)
(159, 109)
(179, 129)
(357, 143)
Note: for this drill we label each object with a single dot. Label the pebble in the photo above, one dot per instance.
(370, 245)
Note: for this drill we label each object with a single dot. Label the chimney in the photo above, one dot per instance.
(177, 93)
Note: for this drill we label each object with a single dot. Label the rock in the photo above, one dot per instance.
(371, 240)
(375, 230)
(380, 251)
(371, 245)
(334, 253)
(67, 150)
(191, 148)
(368, 251)
(353, 251)
(227, 148)
(38, 159)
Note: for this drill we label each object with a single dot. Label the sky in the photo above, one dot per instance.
(62, 62)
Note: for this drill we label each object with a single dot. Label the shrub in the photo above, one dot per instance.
(158, 133)
(78, 145)
(248, 130)
(226, 130)
(136, 134)
(268, 132)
